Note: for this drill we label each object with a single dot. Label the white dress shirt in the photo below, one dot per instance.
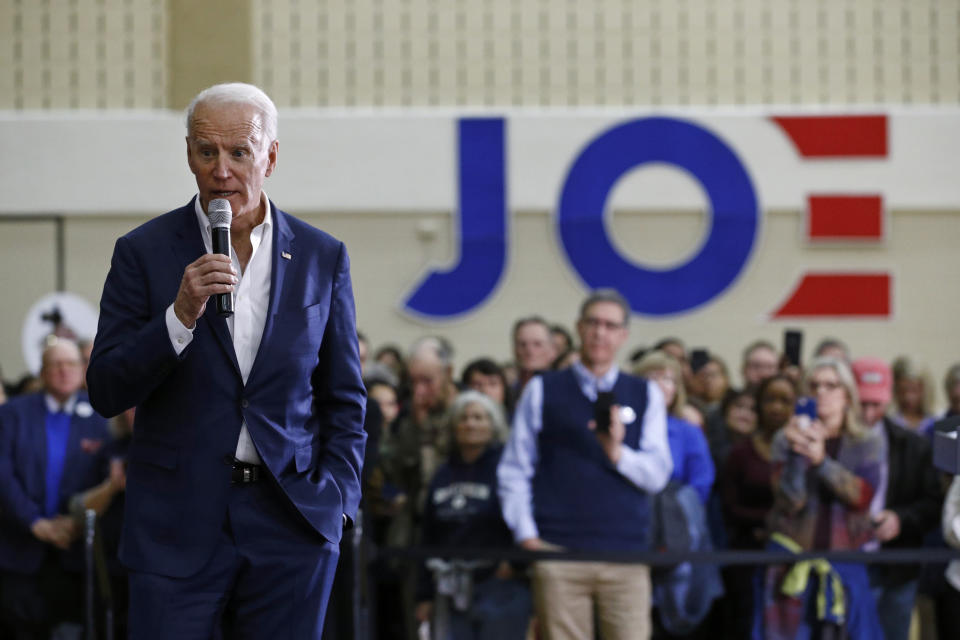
(53, 406)
(648, 467)
(251, 299)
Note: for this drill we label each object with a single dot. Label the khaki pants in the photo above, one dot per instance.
(565, 594)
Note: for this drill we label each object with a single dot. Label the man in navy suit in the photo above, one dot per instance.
(48, 446)
(245, 461)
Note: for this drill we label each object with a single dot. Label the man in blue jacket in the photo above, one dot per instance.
(48, 446)
(245, 461)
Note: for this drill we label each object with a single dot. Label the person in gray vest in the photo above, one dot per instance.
(564, 484)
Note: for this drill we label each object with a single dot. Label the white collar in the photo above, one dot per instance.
(53, 406)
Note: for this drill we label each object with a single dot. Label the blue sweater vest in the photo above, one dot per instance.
(580, 500)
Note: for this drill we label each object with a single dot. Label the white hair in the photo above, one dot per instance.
(432, 346)
(493, 410)
(237, 93)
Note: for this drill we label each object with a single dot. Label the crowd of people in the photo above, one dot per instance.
(856, 475)
(570, 446)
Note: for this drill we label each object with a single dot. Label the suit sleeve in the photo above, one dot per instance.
(132, 352)
(15, 504)
(339, 394)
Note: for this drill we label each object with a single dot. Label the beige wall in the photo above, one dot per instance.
(140, 54)
(389, 252)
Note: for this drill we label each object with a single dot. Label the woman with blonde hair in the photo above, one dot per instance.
(692, 463)
(825, 473)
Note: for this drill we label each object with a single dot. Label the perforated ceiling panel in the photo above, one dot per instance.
(63, 54)
(607, 52)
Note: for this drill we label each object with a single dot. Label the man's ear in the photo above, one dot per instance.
(272, 155)
(193, 169)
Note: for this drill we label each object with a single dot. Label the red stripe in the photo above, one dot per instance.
(839, 294)
(833, 217)
(831, 136)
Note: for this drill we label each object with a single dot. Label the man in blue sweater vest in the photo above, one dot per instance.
(566, 485)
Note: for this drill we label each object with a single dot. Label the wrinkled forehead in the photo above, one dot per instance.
(824, 374)
(60, 353)
(606, 310)
(231, 122)
(762, 354)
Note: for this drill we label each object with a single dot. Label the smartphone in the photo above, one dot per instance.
(806, 411)
(792, 346)
(601, 410)
(698, 358)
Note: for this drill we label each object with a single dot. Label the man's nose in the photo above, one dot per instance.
(221, 169)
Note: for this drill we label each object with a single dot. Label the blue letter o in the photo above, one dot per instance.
(732, 227)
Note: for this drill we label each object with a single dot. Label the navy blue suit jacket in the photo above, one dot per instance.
(23, 464)
(303, 402)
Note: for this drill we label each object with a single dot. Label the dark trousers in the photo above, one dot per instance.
(32, 605)
(269, 577)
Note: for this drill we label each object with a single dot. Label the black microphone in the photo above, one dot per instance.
(221, 215)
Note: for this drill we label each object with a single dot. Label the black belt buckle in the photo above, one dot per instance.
(245, 473)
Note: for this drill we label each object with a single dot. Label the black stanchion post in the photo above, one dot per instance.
(358, 567)
(89, 535)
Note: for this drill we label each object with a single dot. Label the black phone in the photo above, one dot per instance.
(792, 346)
(601, 410)
(698, 358)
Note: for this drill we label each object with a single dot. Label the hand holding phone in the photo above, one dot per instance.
(805, 411)
(601, 411)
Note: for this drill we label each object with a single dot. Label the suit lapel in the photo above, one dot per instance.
(36, 428)
(283, 254)
(188, 246)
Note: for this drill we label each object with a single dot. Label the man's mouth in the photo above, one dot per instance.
(222, 194)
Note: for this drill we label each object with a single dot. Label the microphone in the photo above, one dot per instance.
(221, 215)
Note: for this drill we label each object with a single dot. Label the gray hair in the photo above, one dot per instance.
(832, 343)
(493, 410)
(436, 346)
(237, 93)
(606, 295)
(53, 342)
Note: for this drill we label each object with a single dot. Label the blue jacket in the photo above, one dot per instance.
(23, 462)
(692, 463)
(684, 593)
(462, 511)
(303, 402)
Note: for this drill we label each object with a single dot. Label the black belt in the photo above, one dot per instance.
(245, 473)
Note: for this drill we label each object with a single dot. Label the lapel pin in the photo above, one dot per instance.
(285, 255)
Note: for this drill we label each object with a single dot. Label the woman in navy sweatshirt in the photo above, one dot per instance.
(463, 511)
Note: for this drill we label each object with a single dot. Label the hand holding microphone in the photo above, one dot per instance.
(211, 274)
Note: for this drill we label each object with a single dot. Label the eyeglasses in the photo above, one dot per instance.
(826, 386)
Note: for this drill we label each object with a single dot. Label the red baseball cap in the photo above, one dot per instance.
(874, 380)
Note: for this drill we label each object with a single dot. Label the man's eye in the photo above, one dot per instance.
(206, 153)
(239, 153)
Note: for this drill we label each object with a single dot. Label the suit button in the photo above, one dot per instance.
(244, 404)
